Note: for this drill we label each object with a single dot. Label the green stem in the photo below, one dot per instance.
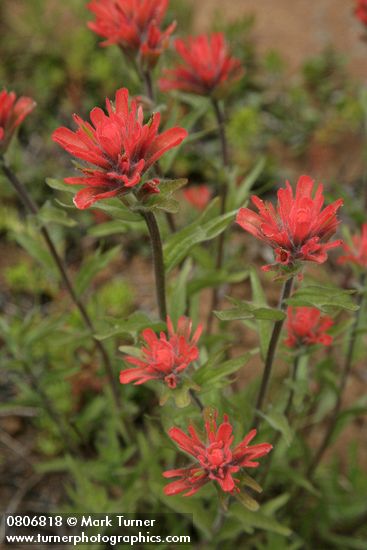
(160, 280)
(146, 77)
(223, 199)
(342, 384)
(273, 344)
(33, 209)
(287, 412)
(158, 262)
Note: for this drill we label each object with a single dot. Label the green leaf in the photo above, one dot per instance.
(259, 298)
(270, 507)
(247, 501)
(137, 322)
(240, 192)
(60, 185)
(298, 479)
(187, 122)
(93, 265)
(118, 210)
(168, 187)
(258, 520)
(247, 310)
(280, 423)
(210, 279)
(52, 214)
(178, 293)
(180, 243)
(325, 298)
(248, 481)
(115, 227)
(209, 374)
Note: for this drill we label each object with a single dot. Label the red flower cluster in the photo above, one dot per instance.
(119, 144)
(361, 11)
(134, 25)
(306, 327)
(356, 254)
(12, 113)
(216, 460)
(298, 229)
(198, 196)
(208, 67)
(164, 358)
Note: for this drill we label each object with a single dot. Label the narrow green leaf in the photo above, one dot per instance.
(280, 423)
(209, 374)
(52, 214)
(247, 501)
(180, 243)
(134, 324)
(115, 227)
(259, 520)
(247, 310)
(259, 298)
(325, 298)
(59, 185)
(178, 292)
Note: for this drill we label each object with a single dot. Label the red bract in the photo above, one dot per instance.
(198, 196)
(298, 229)
(134, 25)
(164, 358)
(215, 458)
(361, 11)
(208, 67)
(306, 327)
(357, 253)
(119, 144)
(12, 113)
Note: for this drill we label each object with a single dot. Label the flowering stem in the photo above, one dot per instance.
(196, 400)
(289, 404)
(274, 339)
(223, 199)
(286, 413)
(160, 279)
(342, 384)
(146, 76)
(149, 85)
(33, 208)
(222, 132)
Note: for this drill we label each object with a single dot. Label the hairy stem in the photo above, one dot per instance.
(286, 413)
(273, 344)
(33, 209)
(146, 76)
(160, 280)
(196, 399)
(223, 199)
(342, 384)
(158, 263)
